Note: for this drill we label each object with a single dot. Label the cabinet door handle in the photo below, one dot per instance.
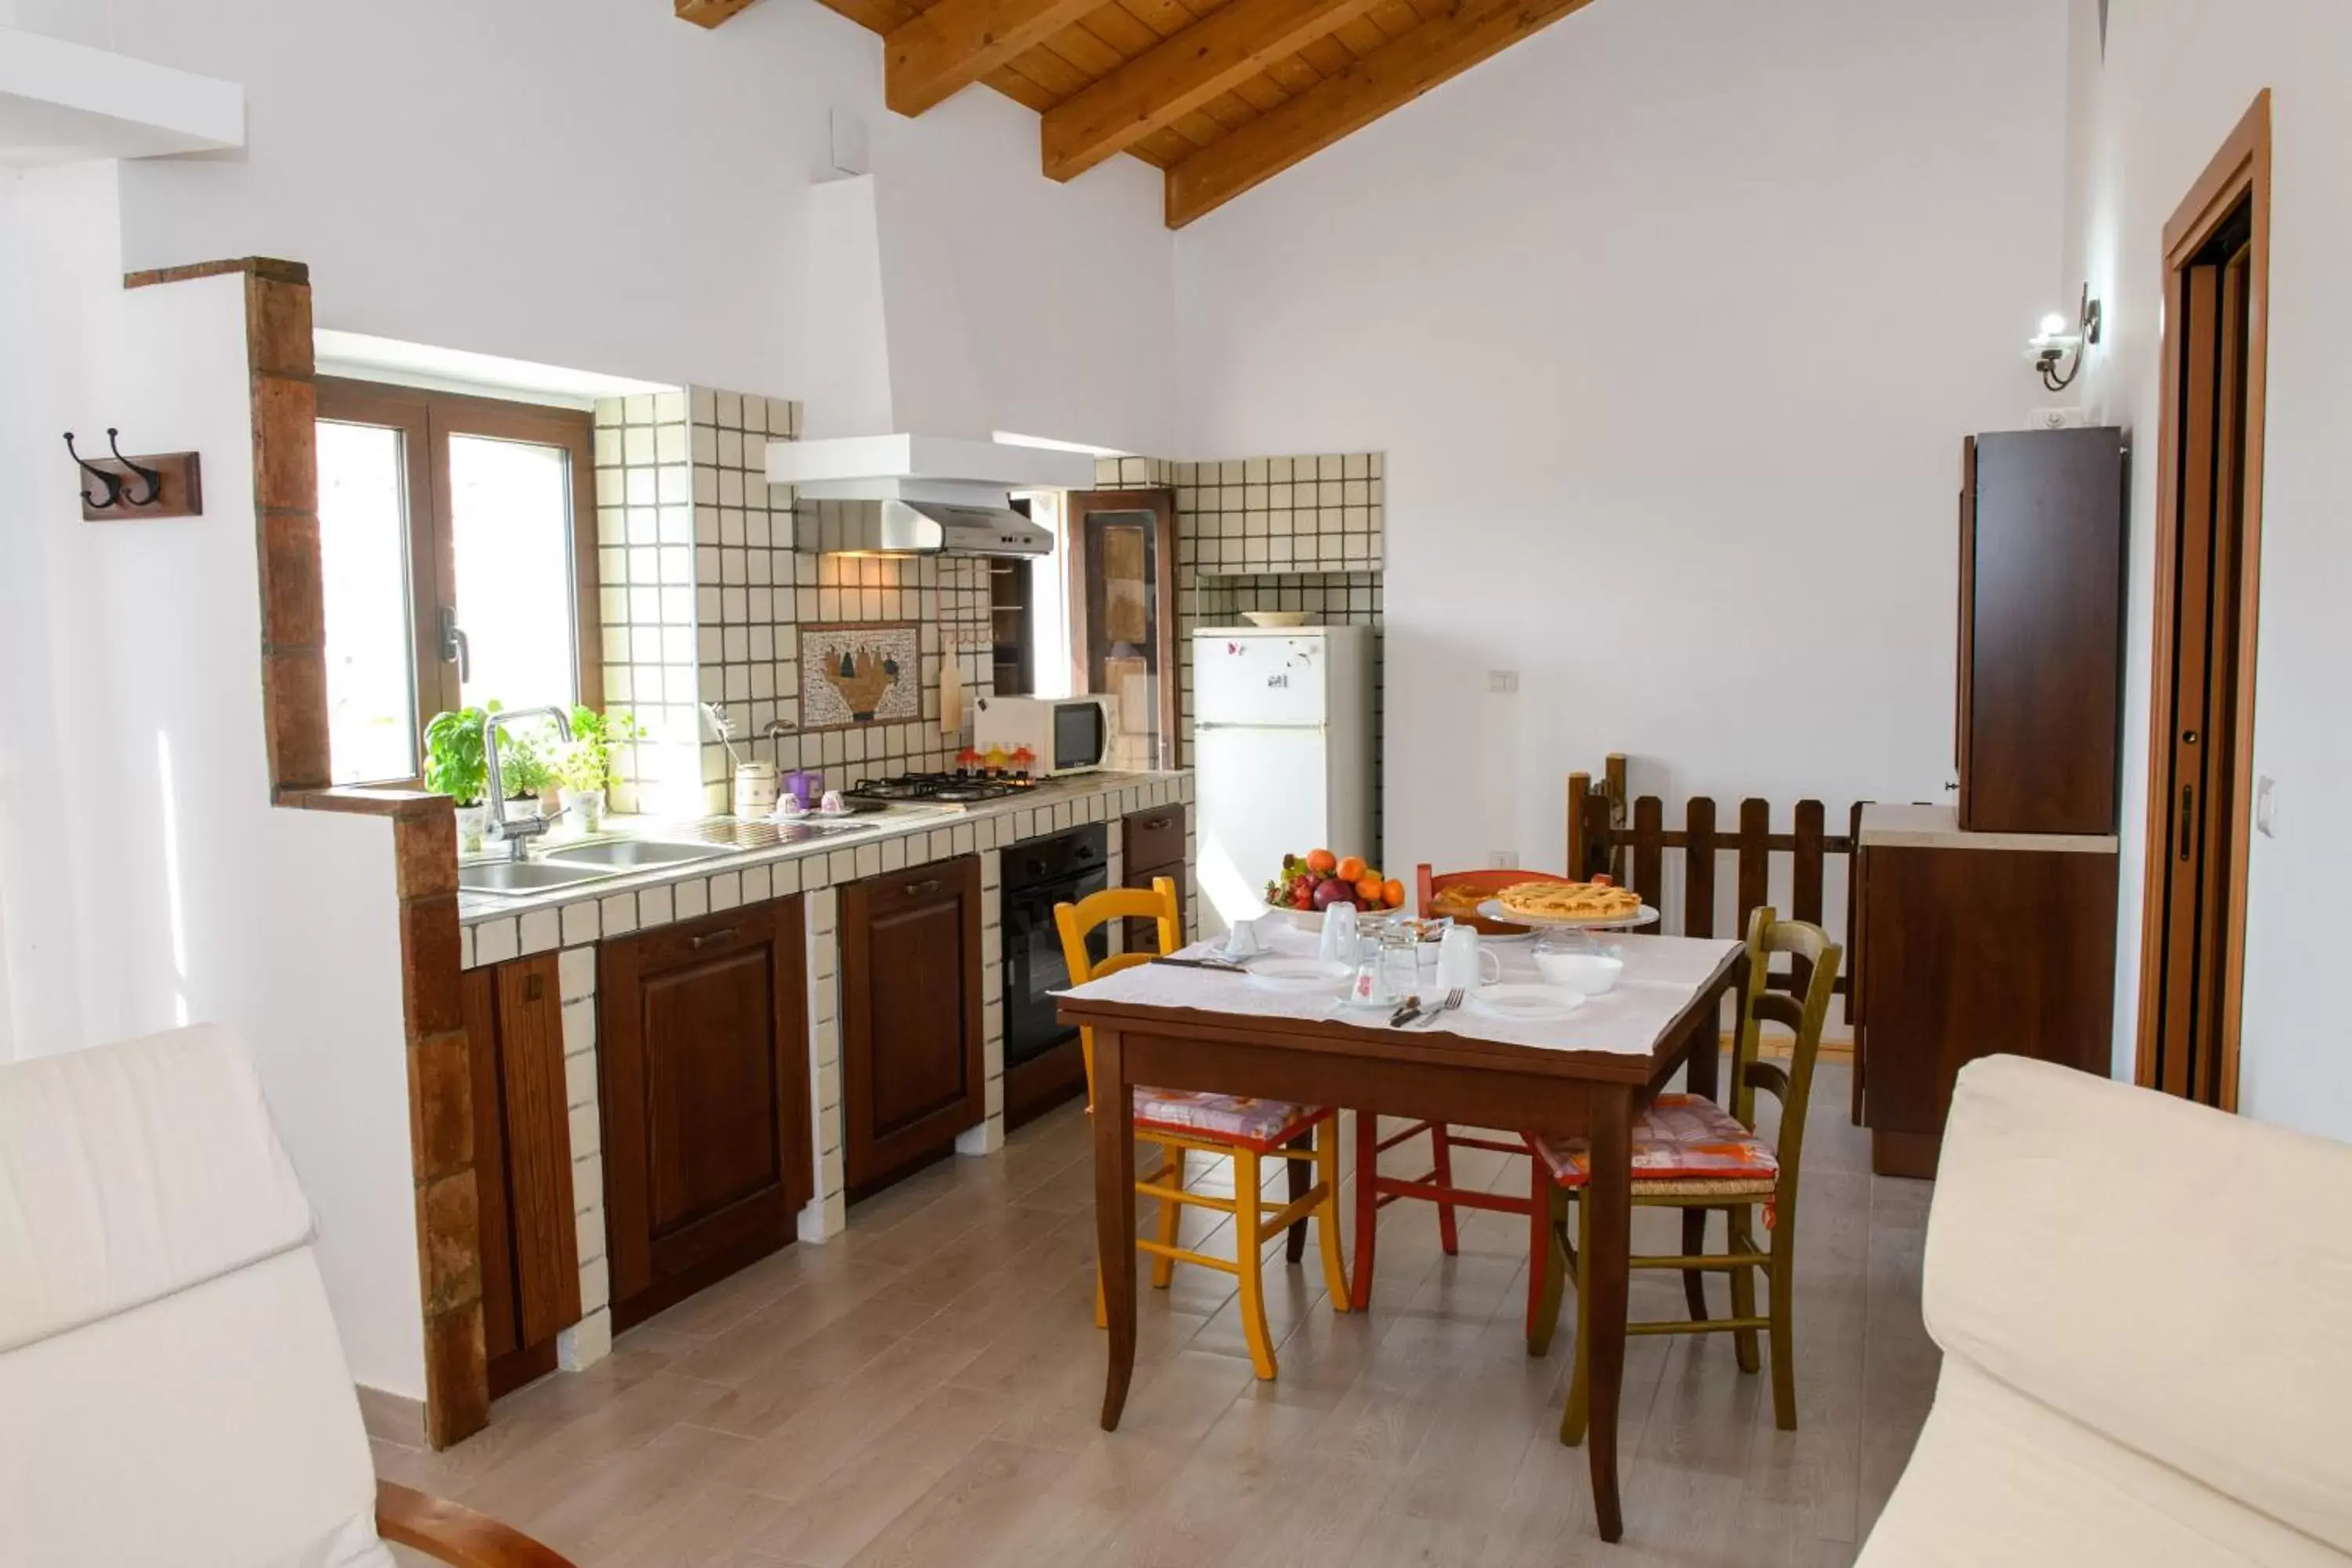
(712, 938)
(1156, 824)
(2188, 817)
(917, 890)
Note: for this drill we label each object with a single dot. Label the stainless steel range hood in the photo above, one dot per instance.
(917, 528)
(919, 495)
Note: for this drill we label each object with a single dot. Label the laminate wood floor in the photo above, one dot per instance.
(924, 1390)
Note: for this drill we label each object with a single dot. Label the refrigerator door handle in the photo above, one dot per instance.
(1201, 724)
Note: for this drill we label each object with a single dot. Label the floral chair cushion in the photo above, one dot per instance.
(1260, 1125)
(1681, 1137)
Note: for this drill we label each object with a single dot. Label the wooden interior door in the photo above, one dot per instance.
(2203, 811)
(1122, 611)
(2208, 542)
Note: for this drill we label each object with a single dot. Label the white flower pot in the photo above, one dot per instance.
(471, 820)
(584, 809)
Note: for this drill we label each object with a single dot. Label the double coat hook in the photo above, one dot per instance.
(121, 494)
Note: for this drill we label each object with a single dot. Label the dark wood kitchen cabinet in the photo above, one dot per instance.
(703, 1066)
(912, 1073)
(2040, 630)
(1151, 845)
(522, 1166)
(1968, 948)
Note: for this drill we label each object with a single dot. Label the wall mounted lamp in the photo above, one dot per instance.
(2053, 342)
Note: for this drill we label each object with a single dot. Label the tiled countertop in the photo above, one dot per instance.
(497, 927)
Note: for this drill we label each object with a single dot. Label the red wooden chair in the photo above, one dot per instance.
(1375, 1191)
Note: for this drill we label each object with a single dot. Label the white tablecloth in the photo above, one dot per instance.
(1661, 975)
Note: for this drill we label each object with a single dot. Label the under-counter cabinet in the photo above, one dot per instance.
(913, 1075)
(703, 1070)
(522, 1166)
(1969, 944)
(1151, 845)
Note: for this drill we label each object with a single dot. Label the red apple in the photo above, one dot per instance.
(1334, 893)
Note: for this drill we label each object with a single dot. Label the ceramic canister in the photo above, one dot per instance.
(755, 789)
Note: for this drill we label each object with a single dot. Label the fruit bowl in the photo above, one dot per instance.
(1308, 884)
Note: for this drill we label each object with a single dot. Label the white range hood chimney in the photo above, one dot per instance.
(893, 425)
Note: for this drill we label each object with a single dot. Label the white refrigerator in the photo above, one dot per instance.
(1282, 755)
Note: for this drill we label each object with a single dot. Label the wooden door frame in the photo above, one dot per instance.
(2238, 172)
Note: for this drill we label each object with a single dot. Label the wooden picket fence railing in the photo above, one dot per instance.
(1628, 839)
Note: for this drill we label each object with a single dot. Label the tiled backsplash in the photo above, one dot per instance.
(704, 596)
(1301, 532)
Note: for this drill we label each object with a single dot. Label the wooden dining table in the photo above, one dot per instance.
(1419, 1072)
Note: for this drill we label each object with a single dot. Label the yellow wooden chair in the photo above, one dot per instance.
(1689, 1154)
(1247, 1130)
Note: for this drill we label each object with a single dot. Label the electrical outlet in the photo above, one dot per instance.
(1503, 859)
(2266, 807)
(1503, 682)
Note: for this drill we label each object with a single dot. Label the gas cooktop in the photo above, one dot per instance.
(941, 789)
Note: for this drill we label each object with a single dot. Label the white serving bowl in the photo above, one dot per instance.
(1277, 618)
(1586, 973)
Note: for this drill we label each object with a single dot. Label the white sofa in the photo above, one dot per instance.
(2146, 1313)
(171, 1388)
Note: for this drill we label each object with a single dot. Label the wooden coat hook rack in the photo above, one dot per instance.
(169, 484)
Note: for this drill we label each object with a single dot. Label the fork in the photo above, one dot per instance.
(1452, 1000)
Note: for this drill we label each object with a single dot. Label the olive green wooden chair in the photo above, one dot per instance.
(1727, 1167)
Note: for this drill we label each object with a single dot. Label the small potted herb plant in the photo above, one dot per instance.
(454, 766)
(584, 767)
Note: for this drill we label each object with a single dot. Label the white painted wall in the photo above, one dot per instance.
(2175, 79)
(145, 880)
(594, 183)
(1670, 321)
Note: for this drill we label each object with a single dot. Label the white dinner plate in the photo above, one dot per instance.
(1297, 974)
(1520, 1002)
(1496, 910)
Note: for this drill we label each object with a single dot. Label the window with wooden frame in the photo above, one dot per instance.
(457, 536)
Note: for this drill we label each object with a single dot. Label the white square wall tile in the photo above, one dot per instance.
(580, 924)
(619, 914)
(655, 906)
(691, 899)
(576, 972)
(496, 940)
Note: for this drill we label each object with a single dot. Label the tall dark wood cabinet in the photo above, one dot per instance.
(1968, 945)
(704, 1076)
(1151, 845)
(2040, 630)
(522, 1166)
(913, 1075)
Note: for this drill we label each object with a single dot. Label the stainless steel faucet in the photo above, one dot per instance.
(517, 834)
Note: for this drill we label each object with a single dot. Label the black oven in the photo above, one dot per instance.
(1038, 875)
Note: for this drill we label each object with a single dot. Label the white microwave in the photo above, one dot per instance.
(1061, 735)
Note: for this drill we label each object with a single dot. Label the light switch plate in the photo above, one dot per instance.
(1502, 682)
(2266, 807)
(1504, 859)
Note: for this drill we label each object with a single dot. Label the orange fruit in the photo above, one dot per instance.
(1351, 869)
(1392, 894)
(1369, 890)
(1322, 862)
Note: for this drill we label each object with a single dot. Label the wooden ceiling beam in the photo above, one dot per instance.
(709, 13)
(1396, 74)
(1168, 82)
(928, 58)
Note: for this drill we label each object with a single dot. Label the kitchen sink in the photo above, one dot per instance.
(614, 855)
(524, 876)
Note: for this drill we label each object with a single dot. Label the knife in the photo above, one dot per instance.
(1223, 966)
(1406, 1014)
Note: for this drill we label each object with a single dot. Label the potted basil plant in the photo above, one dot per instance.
(454, 766)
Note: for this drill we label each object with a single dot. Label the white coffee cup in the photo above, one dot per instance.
(1462, 963)
(1340, 935)
(1241, 941)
